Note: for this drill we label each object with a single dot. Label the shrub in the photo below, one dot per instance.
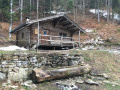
(118, 30)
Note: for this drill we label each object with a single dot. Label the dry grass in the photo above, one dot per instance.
(104, 62)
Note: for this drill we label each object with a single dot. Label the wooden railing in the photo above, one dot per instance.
(57, 39)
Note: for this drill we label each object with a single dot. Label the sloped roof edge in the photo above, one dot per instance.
(44, 19)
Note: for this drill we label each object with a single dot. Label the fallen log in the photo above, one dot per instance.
(39, 75)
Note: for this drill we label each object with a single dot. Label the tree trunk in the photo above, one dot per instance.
(50, 6)
(30, 8)
(21, 11)
(98, 11)
(10, 27)
(37, 9)
(83, 7)
(40, 75)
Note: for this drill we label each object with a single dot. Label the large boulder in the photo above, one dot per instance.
(2, 76)
(18, 74)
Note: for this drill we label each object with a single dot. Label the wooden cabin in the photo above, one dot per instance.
(53, 31)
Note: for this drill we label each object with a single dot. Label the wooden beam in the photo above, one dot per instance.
(66, 24)
(70, 27)
(75, 28)
(58, 21)
(73, 23)
(64, 21)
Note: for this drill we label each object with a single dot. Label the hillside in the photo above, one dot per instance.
(4, 33)
(105, 30)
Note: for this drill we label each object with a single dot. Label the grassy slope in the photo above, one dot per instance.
(104, 62)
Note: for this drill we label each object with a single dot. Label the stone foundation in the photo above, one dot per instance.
(18, 66)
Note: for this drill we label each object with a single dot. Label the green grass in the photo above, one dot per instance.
(111, 87)
(11, 52)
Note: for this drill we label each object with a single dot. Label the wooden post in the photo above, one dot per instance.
(50, 39)
(38, 24)
(29, 39)
(73, 45)
(38, 34)
(79, 38)
(61, 40)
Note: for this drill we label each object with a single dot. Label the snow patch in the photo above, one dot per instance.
(12, 48)
(104, 13)
(89, 30)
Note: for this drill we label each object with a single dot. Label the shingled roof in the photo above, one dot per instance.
(62, 18)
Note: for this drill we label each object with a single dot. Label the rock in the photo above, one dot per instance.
(21, 74)
(2, 76)
(29, 84)
(91, 82)
(13, 87)
(80, 81)
(4, 84)
(15, 69)
(8, 81)
(100, 78)
(74, 63)
(67, 85)
(109, 82)
(81, 60)
(105, 76)
(95, 72)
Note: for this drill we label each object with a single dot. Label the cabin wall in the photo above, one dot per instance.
(30, 38)
(51, 30)
(23, 37)
(54, 30)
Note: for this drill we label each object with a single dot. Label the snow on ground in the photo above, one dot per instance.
(12, 48)
(89, 30)
(55, 12)
(116, 16)
(116, 52)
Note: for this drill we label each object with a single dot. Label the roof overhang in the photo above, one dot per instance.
(62, 19)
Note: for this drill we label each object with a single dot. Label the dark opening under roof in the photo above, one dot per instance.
(62, 19)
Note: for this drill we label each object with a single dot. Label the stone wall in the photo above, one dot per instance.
(18, 66)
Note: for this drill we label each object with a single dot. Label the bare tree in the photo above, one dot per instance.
(10, 27)
(37, 9)
(21, 12)
(83, 7)
(98, 10)
(37, 18)
(50, 6)
(30, 7)
(108, 10)
(74, 10)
